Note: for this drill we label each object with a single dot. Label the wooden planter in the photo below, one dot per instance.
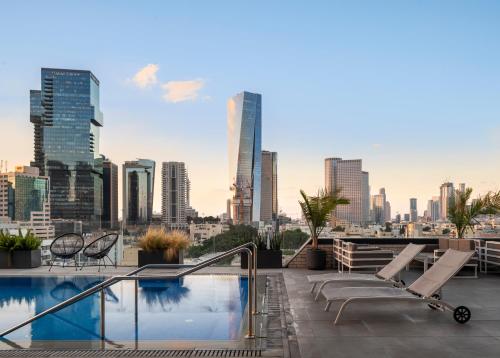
(5, 259)
(265, 259)
(26, 258)
(157, 257)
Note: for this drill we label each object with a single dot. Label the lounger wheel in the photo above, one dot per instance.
(437, 296)
(461, 314)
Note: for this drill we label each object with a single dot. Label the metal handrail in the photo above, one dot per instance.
(129, 276)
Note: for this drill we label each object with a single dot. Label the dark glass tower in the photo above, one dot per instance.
(67, 118)
(109, 194)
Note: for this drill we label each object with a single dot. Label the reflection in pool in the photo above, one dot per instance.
(197, 307)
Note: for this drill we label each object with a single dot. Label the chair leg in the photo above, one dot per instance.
(83, 265)
(51, 264)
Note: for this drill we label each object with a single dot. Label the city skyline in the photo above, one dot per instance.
(164, 103)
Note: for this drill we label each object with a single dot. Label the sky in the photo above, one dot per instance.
(410, 87)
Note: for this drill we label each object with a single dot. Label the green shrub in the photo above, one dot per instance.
(26, 242)
(7, 242)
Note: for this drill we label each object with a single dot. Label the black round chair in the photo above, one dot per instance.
(100, 248)
(66, 247)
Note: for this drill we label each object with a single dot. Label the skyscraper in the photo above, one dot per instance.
(109, 194)
(244, 120)
(138, 187)
(365, 197)
(67, 120)
(269, 187)
(387, 212)
(433, 209)
(446, 193)
(347, 176)
(174, 195)
(379, 209)
(413, 210)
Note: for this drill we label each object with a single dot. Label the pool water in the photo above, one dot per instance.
(196, 307)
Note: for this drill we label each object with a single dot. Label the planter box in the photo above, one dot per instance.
(26, 259)
(157, 257)
(265, 259)
(5, 259)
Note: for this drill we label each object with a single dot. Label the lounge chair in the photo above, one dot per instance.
(426, 289)
(384, 277)
(66, 247)
(99, 250)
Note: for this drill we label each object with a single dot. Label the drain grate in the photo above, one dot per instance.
(27, 353)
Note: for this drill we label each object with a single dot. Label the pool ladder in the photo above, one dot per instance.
(252, 288)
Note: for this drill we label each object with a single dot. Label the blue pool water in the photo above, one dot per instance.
(197, 307)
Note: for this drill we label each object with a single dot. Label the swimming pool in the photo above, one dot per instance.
(195, 307)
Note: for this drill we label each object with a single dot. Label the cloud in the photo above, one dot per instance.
(179, 91)
(146, 76)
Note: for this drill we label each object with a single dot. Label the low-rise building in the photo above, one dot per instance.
(201, 232)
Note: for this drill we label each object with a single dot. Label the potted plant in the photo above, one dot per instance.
(464, 215)
(266, 257)
(317, 210)
(158, 246)
(7, 243)
(26, 252)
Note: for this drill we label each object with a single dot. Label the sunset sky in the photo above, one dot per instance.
(410, 87)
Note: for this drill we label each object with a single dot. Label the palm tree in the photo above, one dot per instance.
(317, 210)
(464, 215)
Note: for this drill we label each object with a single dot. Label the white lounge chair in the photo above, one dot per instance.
(423, 290)
(382, 278)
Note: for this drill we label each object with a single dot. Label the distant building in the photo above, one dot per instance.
(174, 195)
(201, 232)
(461, 187)
(387, 211)
(67, 119)
(228, 210)
(446, 195)
(397, 219)
(380, 208)
(244, 121)
(347, 176)
(365, 197)
(413, 210)
(407, 217)
(109, 194)
(138, 178)
(269, 187)
(433, 211)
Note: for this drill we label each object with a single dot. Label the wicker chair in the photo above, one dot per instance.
(100, 248)
(66, 247)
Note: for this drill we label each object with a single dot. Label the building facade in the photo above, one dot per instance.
(413, 210)
(109, 194)
(25, 200)
(365, 197)
(446, 194)
(138, 188)
(67, 120)
(269, 187)
(244, 120)
(347, 176)
(174, 195)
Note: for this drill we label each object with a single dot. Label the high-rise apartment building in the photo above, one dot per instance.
(138, 178)
(67, 119)
(446, 194)
(174, 195)
(347, 176)
(387, 211)
(461, 187)
(244, 120)
(269, 187)
(109, 194)
(413, 210)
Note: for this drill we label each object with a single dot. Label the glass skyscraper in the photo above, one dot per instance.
(244, 119)
(138, 189)
(67, 119)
